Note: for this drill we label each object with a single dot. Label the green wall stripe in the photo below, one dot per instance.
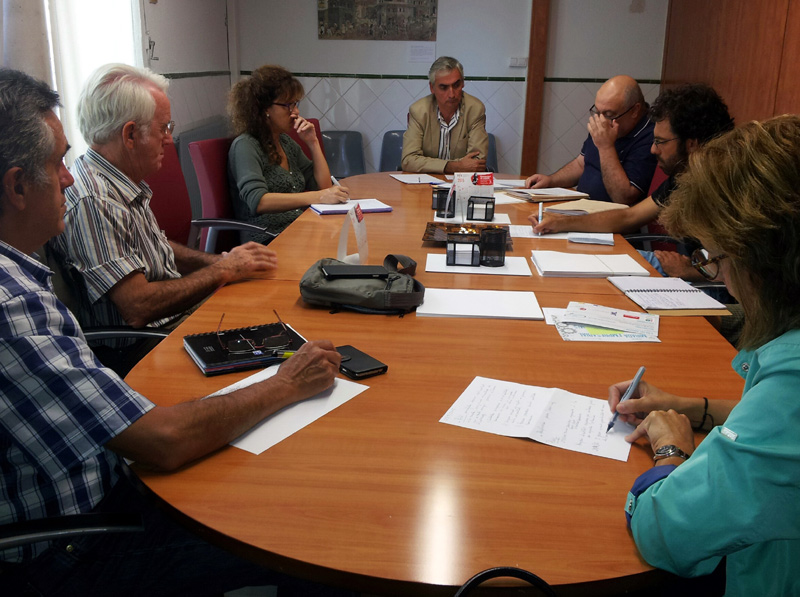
(218, 73)
(210, 73)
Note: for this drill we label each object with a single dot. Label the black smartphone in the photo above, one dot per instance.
(359, 365)
(334, 271)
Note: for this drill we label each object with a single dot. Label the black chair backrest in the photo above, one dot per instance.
(508, 571)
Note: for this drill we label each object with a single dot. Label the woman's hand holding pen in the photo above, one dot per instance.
(334, 194)
(655, 413)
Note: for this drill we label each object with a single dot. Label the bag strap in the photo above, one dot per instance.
(400, 263)
(509, 571)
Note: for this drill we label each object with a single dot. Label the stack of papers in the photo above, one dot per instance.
(458, 302)
(368, 206)
(580, 265)
(583, 207)
(584, 322)
(551, 194)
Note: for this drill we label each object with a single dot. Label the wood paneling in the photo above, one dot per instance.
(734, 45)
(537, 58)
(787, 100)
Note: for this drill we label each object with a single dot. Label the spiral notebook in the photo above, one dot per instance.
(672, 296)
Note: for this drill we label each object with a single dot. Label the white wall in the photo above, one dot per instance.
(190, 36)
(591, 39)
(482, 35)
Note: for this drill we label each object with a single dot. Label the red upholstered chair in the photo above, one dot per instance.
(210, 160)
(656, 237)
(302, 144)
(170, 203)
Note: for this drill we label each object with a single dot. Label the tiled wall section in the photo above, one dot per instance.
(565, 113)
(374, 106)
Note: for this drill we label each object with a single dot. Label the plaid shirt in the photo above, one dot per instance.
(58, 405)
(110, 233)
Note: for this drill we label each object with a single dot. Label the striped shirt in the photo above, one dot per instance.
(110, 233)
(444, 133)
(58, 405)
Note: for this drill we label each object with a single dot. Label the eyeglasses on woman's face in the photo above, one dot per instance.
(707, 266)
(291, 107)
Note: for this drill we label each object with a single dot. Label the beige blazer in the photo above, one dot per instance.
(421, 139)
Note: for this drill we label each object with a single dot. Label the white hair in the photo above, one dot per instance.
(116, 94)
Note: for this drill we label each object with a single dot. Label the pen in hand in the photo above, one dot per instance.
(334, 181)
(628, 393)
(540, 215)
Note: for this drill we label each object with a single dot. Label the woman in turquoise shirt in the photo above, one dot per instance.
(737, 494)
(271, 179)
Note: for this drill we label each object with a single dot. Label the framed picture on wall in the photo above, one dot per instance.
(375, 20)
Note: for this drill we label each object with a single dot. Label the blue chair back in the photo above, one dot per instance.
(345, 153)
(391, 151)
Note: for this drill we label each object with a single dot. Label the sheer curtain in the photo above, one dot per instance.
(63, 41)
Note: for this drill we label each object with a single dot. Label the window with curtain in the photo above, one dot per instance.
(63, 41)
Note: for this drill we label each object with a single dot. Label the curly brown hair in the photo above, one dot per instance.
(741, 195)
(249, 99)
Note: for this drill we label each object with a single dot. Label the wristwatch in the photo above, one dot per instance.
(669, 451)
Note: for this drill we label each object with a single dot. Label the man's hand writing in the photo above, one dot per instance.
(312, 369)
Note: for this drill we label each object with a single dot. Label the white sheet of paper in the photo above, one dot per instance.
(551, 314)
(293, 418)
(416, 178)
(519, 182)
(526, 231)
(514, 266)
(548, 415)
(503, 199)
(457, 219)
(459, 302)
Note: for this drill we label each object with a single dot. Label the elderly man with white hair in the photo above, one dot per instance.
(131, 274)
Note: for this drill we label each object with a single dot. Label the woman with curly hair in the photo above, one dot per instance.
(272, 181)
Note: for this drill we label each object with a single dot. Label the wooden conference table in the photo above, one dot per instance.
(378, 495)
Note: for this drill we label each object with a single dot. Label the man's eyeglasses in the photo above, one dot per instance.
(657, 142)
(609, 115)
(707, 266)
(168, 128)
(291, 106)
(261, 339)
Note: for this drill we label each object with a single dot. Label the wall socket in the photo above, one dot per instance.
(518, 61)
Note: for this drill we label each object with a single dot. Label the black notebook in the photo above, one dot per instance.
(240, 349)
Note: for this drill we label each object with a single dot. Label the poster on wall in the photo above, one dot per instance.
(403, 20)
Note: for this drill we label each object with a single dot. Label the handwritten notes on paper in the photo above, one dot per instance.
(549, 415)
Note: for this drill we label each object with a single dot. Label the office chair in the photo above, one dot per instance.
(344, 152)
(293, 134)
(210, 159)
(391, 151)
(170, 203)
(27, 532)
(491, 156)
(173, 207)
(505, 571)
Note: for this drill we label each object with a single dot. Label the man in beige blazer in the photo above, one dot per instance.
(447, 129)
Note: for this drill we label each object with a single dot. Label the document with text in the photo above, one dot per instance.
(548, 415)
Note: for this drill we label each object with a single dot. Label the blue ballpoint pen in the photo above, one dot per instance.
(628, 393)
